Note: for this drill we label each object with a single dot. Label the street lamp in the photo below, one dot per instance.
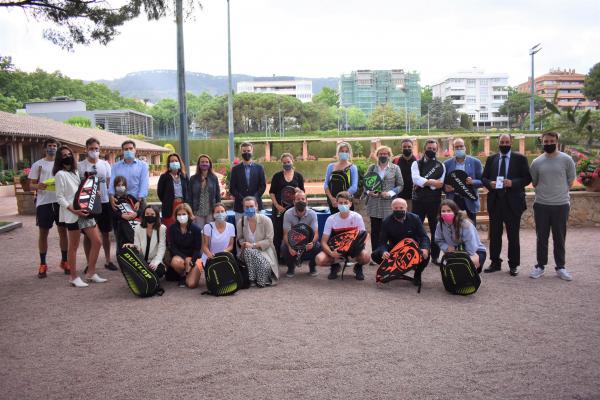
(183, 124)
(230, 92)
(477, 120)
(532, 52)
(428, 112)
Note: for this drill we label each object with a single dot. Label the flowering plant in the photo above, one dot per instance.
(587, 170)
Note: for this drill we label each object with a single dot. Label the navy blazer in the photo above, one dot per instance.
(474, 170)
(239, 188)
(518, 173)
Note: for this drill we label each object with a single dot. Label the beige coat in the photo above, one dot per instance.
(263, 239)
(158, 243)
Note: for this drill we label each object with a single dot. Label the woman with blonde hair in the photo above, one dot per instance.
(185, 244)
(340, 176)
(203, 191)
(172, 187)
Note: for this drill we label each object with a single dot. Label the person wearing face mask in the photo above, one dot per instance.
(255, 239)
(185, 245)
(505, 175)
(203, 191)
(93, 164)
(172, 187)
(342, 220)
(247, 179)
(472, 167)
(552, 175)
(349, 172)
(217, 237)
(150, 239)
(400, 225)
(300, 213)
(428, 177)
(454, 230)
(124, 221)
(405, 161)
(288, 176)
(379, 204)
(136, 173)
(77, 221)
(47, 208)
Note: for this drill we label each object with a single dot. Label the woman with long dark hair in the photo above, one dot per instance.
(150, 239)
(172, 187)
(185, 245)
(203, 191)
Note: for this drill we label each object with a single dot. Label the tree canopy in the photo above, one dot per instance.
(591, 85)
(517, 105)
(327, 96)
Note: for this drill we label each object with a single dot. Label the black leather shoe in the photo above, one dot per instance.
(333, 273)
(514, 271)
(492, 268)
(358, 271)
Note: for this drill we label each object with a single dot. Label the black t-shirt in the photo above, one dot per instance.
(278, 182)
(405, 165)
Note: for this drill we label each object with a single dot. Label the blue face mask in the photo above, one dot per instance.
(129, 154)
(250, 212)
(344, 156)
(222, 216)
(174, 166)
(460, 153)
(344, 208)
(51, 152)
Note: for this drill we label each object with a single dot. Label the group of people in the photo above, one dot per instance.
(191, 226)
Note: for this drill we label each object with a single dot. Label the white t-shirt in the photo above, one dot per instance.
(102, 171)
(335, 221)
(218, 241)
(42, 170)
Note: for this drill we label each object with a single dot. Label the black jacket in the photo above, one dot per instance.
(518, 173)
(166, 192)
(393, 231)
(239, 188)
(193, 192)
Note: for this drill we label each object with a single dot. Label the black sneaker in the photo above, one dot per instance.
(290, 273)
(111, 267)
(333, 273)
(492, 268)
(513, 271)
(358, 271)
(181, 282)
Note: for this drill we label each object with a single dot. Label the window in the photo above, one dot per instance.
(483, 116)
(472, 116)
(470, 83)
(471, 100)
(483, 99)
(483, 82)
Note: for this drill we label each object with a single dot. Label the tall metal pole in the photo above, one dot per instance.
(532, 52)
(230, 92)
(183, 125)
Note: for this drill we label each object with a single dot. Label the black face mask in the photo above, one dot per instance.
(430, 154)
(550, 148)
(383, 159)
(150, 219)
(247, 156)
(504, 149)
(68, 161)
(399, 214)
(300, 206)
(407, 152)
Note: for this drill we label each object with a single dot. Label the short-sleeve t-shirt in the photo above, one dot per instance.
(291, 218)
(218, 241)
(102, 169)
(42, 170)
(354, 220)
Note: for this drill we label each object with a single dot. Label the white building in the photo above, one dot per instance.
(477, 94)
(287, 86)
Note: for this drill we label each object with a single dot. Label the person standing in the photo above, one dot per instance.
(247, 179)
(47, 208)
(379, 203)
(552, 175)
(93, 164)
(472, 167)
(505, 175)
(405, 161)
(135, 172)
(203, 191)
(347, 170)
(428, 177)
(172, 188)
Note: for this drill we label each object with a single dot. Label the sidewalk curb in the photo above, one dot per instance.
(11, 226)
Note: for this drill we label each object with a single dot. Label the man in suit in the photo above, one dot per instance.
(247, 179)
(506, 174)
(472, 167)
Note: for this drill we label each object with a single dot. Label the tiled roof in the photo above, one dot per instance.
(22, 125)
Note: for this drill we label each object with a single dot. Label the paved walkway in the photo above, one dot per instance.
(305, 338)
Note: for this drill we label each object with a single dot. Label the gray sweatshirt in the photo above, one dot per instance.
(552, 178)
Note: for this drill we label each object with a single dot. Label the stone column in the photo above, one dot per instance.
(522, 144)
(304, 150)
(375, 143)
(267, 151)
(111, 157)
(450, 146)
(415, 143)
(486, 146)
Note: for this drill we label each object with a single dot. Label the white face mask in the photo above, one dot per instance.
(183, 219)
(94, 155)
(121, 189)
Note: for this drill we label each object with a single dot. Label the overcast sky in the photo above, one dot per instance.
(321, 38)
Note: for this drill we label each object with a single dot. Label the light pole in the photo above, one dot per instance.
(230, 91)
(183, 124)
(532, 52)
(428, 112)
(477, 120)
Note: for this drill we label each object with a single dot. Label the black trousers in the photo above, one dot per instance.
(500, 216)
(375, 231)
(460, 202)
(277, 231)
(551, 218)
(429, 209)
(306, 256)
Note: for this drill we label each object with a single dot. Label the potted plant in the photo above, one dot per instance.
(588, 172)
(23, 178)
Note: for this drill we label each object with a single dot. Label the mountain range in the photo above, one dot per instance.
(160, 84)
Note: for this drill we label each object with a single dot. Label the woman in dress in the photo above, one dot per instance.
(346, 170)
(203, 191)
(172, 187)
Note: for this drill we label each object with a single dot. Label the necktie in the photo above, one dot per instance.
(502, 171)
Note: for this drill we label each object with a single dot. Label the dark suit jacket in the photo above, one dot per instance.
(239, 188)
(518, 173)
(166, 192)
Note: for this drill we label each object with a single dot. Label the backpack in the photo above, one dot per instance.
(142, 281)
(222, 274)
(459, 275)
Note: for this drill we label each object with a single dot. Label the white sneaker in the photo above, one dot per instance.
(78, 282)
(564, 274)
(537, 272)
(96, 279)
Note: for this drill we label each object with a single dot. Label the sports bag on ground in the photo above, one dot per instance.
(139, 277)
(459, 274)
(222, 274)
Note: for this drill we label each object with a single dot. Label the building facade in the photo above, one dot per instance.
(367, 89)
(121, 122)
(286, 86)
(476, 94)
(566, 85)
